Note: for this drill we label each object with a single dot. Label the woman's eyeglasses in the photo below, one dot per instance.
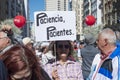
(63, 46)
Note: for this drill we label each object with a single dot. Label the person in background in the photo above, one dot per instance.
(88, 53)
(28, 43)
(3, 71)
(74, 56)
(5, 40)
(106, 66)
(5, 43)
(63, 68)
(80, 46)
(42, 53)
(22, 64)
(46, 55)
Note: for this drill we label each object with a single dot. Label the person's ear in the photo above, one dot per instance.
(106, 42)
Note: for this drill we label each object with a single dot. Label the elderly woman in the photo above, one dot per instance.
(22, 64)
(63, 68)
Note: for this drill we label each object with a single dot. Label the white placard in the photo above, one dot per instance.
(55, 25)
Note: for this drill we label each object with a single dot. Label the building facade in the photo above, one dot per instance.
(110, 12)
(91, 7)
(56, 5)
(68, 5)
(77, 6)
(10, 8)
(26, 29)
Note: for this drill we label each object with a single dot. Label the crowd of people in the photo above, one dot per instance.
(90, 59)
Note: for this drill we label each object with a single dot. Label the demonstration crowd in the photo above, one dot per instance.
(89, 59)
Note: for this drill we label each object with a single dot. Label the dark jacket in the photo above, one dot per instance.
(3, 71)
(44, 74)
(88, 53)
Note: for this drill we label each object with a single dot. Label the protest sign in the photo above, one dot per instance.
(55, 25)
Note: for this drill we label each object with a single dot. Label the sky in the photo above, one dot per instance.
(35, 5)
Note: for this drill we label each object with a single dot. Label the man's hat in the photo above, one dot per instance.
(90, 39)
(27, 40)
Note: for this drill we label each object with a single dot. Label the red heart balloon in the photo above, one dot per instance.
(19, 21)
(90, 20)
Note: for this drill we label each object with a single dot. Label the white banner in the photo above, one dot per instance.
(55, 25)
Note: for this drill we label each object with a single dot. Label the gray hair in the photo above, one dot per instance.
(108, 34)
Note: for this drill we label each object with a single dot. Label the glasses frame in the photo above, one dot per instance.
(63, 46)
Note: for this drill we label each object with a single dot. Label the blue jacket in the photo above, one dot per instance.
(108, 69)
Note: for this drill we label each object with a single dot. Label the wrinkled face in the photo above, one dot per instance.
(3, 40)
(101, 42)
(63, 49)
